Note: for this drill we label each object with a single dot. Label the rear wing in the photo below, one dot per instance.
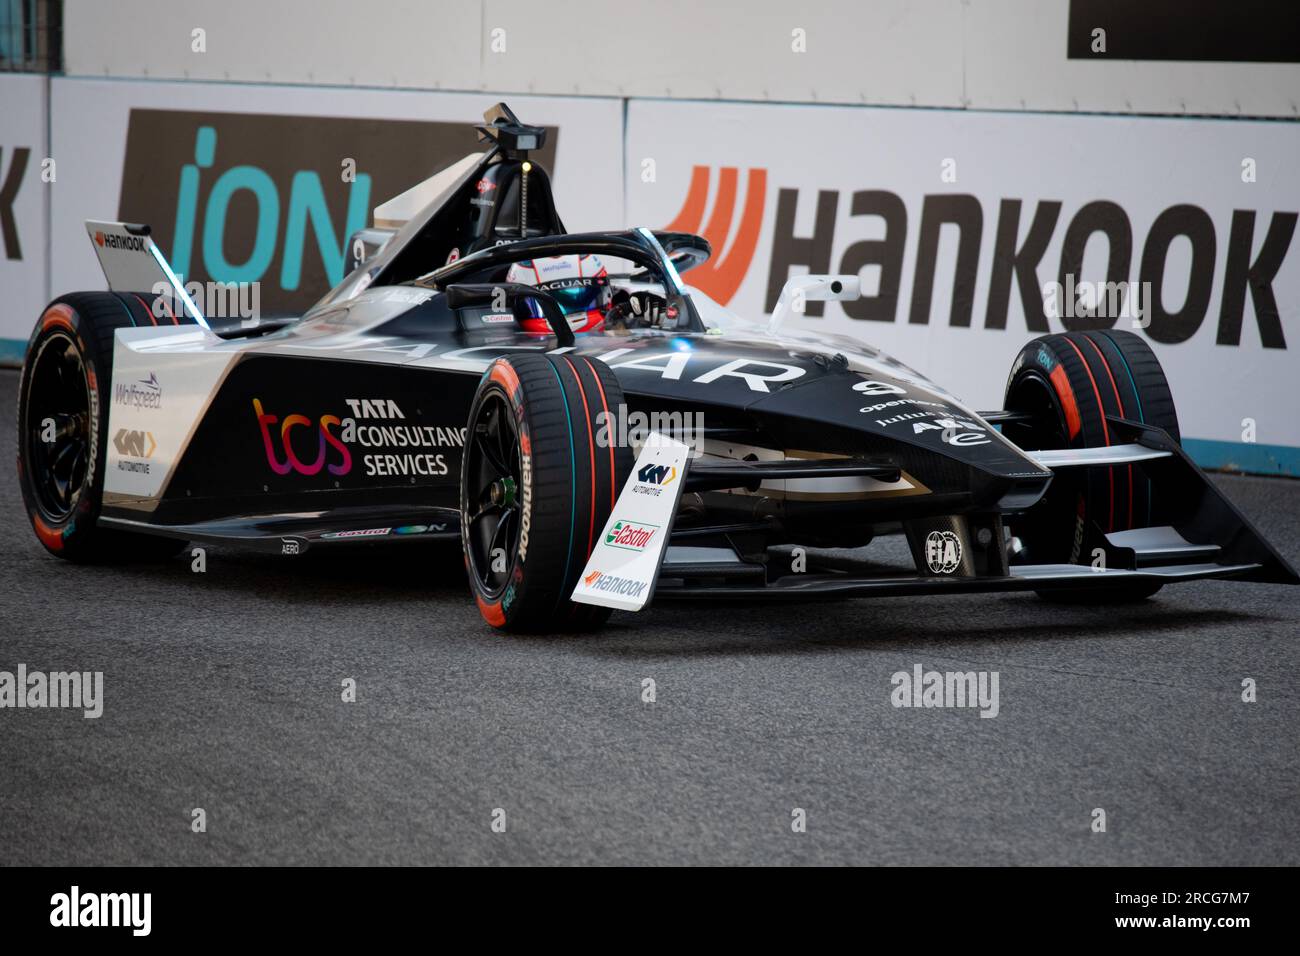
(132, 263)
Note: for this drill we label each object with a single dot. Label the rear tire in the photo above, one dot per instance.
(63, 403)
(537, 485)
(1068, 383)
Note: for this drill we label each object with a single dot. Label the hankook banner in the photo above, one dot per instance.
(973, 232)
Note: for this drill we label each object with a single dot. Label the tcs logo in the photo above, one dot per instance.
(291, 461)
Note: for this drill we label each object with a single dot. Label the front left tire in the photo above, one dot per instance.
(539, 478)
(1066, 384)
(63, 401)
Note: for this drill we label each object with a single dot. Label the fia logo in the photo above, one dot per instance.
(942, 552)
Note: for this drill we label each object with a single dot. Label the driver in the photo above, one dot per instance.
(579, 283)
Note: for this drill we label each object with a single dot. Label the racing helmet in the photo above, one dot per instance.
(578, 282)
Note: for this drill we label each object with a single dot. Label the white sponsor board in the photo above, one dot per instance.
(24, 191)
(947, 216)
(623, 566)
(163, 379)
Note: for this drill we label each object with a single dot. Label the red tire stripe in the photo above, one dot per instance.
(163, 300)
(1119, 401)
(1073, 421)
(1105, 431)
(591, 448)
(148, 311)
(613, 475)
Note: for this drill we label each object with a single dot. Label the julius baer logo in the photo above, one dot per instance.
(271, 199)
(1181, 304)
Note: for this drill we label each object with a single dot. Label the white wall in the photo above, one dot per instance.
(981, 54)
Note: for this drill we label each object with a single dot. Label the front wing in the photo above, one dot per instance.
(1207, 538)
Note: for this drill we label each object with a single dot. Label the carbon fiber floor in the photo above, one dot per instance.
(222, 691)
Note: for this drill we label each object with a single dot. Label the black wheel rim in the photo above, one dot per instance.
(58, 427)
(1044, 528)
(492, 485)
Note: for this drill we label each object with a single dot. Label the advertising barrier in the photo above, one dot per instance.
(26, 177)
(247, 184)
(973, 232)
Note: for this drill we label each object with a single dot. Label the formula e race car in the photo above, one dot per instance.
(674, 450)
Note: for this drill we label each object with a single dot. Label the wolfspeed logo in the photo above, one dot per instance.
(600, 581)
(146, 393)
(109, 240)
(630, 536)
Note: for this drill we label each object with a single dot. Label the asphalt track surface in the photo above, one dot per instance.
(222, 691)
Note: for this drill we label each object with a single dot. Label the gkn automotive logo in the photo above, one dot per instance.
(657, 474)
(135, 448)
(653, 479)
(1178, 309)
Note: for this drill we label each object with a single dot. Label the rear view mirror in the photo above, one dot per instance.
(801, 289)
(515, 295)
